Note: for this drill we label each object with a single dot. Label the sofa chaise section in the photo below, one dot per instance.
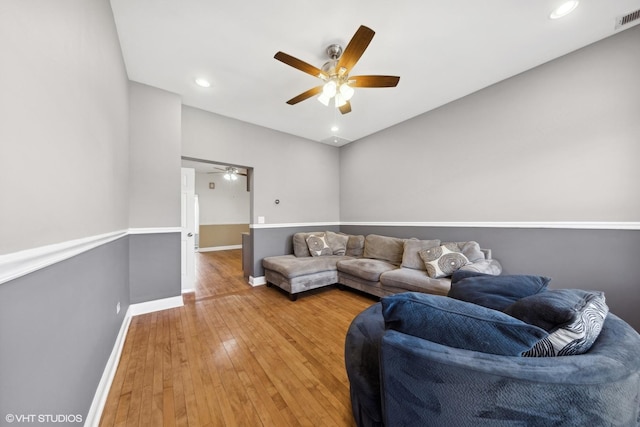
(301, 271)
(299, 274)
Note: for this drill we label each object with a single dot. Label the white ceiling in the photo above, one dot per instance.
(441, 50)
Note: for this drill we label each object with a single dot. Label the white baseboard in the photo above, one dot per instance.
(102, 392)
(257, 281)
(100, 398)
(156, 305)
(219, 248)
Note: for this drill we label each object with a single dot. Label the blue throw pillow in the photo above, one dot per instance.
(496, 292)
(459, 324)
(573, 318)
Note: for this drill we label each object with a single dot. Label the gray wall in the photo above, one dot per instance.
(556, 143)
(154, 261)
(64, 175)
(64, 114)
(605, 260)
(154, 177)
(154, 191)
(303, 175)
(58, 326)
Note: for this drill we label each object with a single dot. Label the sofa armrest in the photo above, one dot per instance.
(486, 266)
(420, 380)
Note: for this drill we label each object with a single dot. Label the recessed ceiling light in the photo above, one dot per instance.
(202, 82)
(334, 128)
(564, 9)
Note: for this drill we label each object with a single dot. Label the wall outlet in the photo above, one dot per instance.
(118, 308)
(260, 220)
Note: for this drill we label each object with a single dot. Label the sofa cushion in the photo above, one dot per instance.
(573, 317)
(300, 247)
(496, 292)
(384, 248)
(411, 280)
(443, 260)
(364, 268)
(469, 249)
(318, 245)
(410, 256)
(459, 324)
(291, 266)
(337, 242)
(355, 245)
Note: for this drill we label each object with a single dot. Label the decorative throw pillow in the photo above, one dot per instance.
(470, 249)
(573, 318)
(337, 242)
(496, 292)
(318, 245)
(410, 256)
(443, 260)
(459, 324)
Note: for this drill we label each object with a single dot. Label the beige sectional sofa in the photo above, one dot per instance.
(378, 265)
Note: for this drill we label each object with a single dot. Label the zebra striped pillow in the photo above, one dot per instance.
(572, 317)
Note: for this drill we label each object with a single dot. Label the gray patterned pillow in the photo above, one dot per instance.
(573, 318)
(337, 242)
(443, 261)
(410, 256)
(318, 245)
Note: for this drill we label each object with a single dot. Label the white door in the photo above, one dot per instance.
(188, 252)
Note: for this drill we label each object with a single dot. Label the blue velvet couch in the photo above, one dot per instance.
(398, 379)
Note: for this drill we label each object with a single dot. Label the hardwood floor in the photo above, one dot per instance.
(236, 356)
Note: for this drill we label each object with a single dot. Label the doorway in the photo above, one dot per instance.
(224, 210)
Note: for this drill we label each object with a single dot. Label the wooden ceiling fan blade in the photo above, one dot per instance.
(300, 65)
(346, 108)
(356, 47)
(305, 95)
(374, 81)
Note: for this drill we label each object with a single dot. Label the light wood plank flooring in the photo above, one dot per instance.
(236, 356)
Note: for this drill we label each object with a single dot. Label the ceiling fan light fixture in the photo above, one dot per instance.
(227, 176)
(564, 9)
(330, 88)
(340, 101)
(346, 91)
(324, 99)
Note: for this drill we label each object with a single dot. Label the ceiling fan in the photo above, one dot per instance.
(335, 73)
(230, 173)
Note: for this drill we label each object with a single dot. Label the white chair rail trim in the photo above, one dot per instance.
(295, 225)
(579, 225)
(17, 264)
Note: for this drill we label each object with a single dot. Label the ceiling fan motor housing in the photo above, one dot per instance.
(334, 51)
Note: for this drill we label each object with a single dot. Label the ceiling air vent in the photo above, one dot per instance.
(626, 19)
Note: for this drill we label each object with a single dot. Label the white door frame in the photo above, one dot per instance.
(187, 238)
